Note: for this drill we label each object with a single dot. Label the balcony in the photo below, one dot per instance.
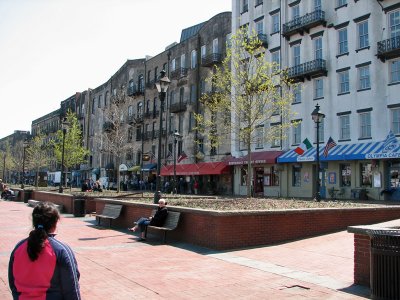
(108, 126)
(179, 73)
(178, 107)
(307, 70)
(304, 23)
(263, 38)
(151, 84)
(211, 59)
(135, 91)
(389, 48)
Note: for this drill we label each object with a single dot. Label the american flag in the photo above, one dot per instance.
(329, 145)
(182, 156)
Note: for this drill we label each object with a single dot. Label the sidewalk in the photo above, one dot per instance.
(114, 265)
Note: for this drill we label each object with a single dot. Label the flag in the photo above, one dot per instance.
(329, 145)
(182, 156)
(304, 146)
(390, 142)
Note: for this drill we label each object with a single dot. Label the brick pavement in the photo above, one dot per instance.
(114, 265)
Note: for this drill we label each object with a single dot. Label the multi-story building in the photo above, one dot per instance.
(346, 56)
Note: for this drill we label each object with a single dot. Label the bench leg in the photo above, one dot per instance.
(98, 221)
(165, 236)
(145, 232)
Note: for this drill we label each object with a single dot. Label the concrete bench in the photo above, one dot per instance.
(170, 223)
(33, 203)
(110, 211)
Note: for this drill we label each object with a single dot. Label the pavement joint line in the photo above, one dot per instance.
(324, 281)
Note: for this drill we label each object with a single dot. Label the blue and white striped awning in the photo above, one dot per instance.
(371, 150)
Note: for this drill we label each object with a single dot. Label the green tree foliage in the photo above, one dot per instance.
(74, 152)
(37, 154)
(6, 162)
(247, 92)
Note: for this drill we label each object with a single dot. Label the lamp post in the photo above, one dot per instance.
(25, 145)
(64, 127)
(317, 117)
(162, 87)
(177, 136)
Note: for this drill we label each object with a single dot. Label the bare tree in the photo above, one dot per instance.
(247, 93)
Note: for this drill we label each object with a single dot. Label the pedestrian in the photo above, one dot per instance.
(40, 266)
(157, 220)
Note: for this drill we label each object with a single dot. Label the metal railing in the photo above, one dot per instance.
(314, 67)
(316, 17)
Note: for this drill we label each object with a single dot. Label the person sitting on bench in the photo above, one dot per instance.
(7, 194)
(157, 220)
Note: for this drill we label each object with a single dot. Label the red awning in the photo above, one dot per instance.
(204, 168)
(259, 157)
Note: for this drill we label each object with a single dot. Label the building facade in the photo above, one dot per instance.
(345, 54)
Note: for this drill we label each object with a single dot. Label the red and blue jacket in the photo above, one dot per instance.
(54, 275)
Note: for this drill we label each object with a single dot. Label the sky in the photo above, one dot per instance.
(50, 49)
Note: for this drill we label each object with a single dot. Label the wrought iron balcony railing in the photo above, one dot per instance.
(304, 23)
(178, 107)
(315, 67)
(389, 48)
(179, 73)
(263, 38)
(211, 59)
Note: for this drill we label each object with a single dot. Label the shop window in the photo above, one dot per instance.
(345, 175)
(366, 174)
(271, 178)
(296, 176)
(243, 176)
(394, 175)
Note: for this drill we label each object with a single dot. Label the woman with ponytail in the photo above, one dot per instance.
(42, 267)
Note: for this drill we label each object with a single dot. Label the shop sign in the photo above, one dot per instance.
(382, 155)
(305, 158)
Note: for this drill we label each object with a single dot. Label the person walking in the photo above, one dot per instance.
(40, 266)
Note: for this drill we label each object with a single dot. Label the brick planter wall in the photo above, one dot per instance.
(362, 254)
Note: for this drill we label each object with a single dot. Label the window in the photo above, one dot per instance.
(193, 63)
(295, 12)
(365, 125)
(366, 174)
(362, 29)
(275, 23)
(181, 94)
(345, 175)
(317, 5)
(243, 176)
(296, 176)
(130, 134)
(215, 48)
(191, 121)
(395, 120)
(138, 133)
(93, 105)
(107, 98)
(183, 61)
(343, 41)
(363, 78)
(275, 139)
(320, 132)
(395, 71)
(344, 123)
(155, 73)
(318, 88)
(297, 134)
(344, 82)
(203, 51)
(173, 64)
(341, 2)
(394, 23)
(394, 171)
(260, 137)
(99, 102)
(259, 2)
(275, 58)
(297, 94)
(271, 177)
(245, 6)
(148, 76)
(193, 89)
(259, 26)
(296, 55)
(141, 83)
(318, 48)
(130, 111)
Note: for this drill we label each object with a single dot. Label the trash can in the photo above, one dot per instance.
(79, 207)
(385, 264)
(363, 194)
(157, 196)
(27, 195)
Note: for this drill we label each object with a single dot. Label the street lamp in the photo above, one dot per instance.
(162, 87)
(317, 117)
(177, 137)
(25, 145)
(64, 127)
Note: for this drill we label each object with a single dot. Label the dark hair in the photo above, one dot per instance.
(44, 217)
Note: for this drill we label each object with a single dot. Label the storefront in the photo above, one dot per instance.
(212, 177)
(351, 171)
(265, 173)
